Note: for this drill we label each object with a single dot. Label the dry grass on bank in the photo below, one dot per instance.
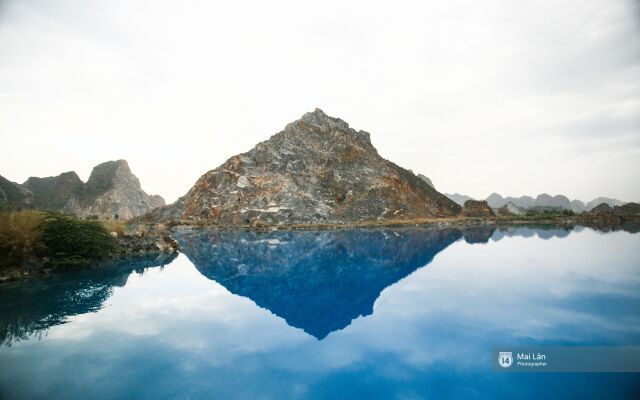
(20, 235)
(114, 226)
(30, 237)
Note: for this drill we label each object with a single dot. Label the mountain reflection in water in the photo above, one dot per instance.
(319, 281)
(342, 314)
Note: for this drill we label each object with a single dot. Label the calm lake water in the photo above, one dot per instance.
(392, 313)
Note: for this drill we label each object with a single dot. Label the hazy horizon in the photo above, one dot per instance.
(514, 98)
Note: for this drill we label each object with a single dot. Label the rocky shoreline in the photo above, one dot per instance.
(426, 222)
(140, 243)
(151, 242)
(149, 239)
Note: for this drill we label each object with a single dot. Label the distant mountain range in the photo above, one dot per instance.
(541, 201)
(112, 191)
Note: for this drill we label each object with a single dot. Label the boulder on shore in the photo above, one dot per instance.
(477, 208)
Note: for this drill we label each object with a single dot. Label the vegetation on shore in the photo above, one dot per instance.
(30, 238)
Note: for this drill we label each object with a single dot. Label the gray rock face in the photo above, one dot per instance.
(112, 191)
(495, 200)
(317, 170)
(55, 192)
(509, 209)
(13, 194)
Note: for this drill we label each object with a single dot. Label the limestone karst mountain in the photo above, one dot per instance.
(61, 192)
(578, 206)
(509, 209)
(112, 191)
(547, 201)
(317, 170)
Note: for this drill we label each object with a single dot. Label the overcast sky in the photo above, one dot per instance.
(516, 97)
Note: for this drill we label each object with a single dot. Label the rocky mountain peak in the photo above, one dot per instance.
(316, 170)
(495, 200)
(54, 192)
(110, 174)
(331, 128)
(69, 178)
(112, 189)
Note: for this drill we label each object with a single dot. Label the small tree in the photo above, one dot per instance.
(70, 241)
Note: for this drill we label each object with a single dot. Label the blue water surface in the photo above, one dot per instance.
(406, 313)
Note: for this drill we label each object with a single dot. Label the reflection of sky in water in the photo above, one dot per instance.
(174, 333)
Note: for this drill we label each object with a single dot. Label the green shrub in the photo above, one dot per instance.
(29, 236)
(70, 241)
